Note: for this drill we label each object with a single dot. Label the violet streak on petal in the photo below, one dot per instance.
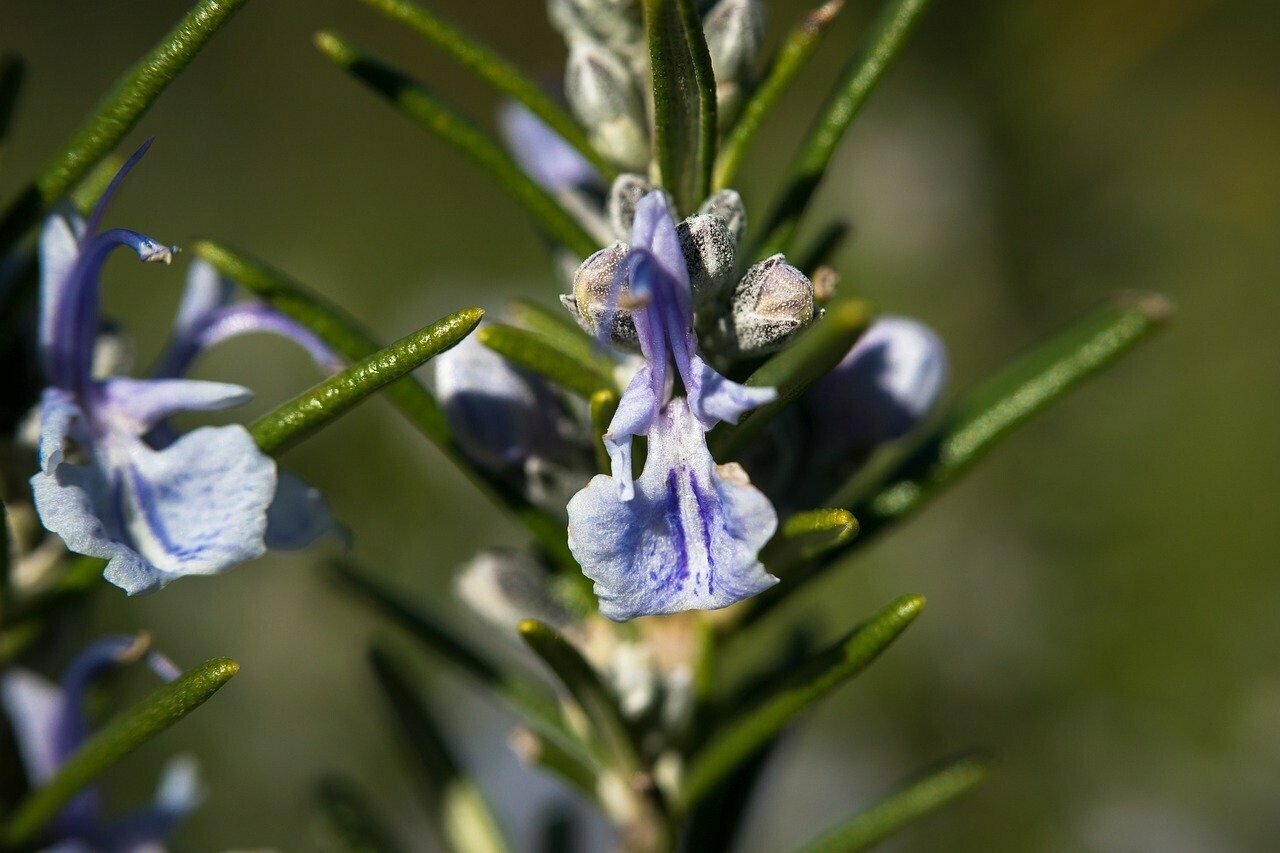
(687, 540)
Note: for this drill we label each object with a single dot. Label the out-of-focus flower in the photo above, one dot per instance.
(50, 723)
(115, 480)
(687, 534)
(542, 153)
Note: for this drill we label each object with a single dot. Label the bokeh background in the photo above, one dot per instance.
(1102, 591)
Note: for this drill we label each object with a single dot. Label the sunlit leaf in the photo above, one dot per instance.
(293, 421)
(121, 735)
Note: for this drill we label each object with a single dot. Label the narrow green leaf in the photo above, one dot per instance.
(588, 691)
(794, 369)
(85, 195)
(336, 328)
(351, 818)
(539, 354)
(684, 100)
(17, 637)
(741, 737)
(806, 535)
(888, 36)
(4, 563)
(604, 404)
(497, 71)
(121, 735)
(908, 805)
(429, 111)
(793, 54)
(454, 800)
(288, 424)
(556, 324)
(549, 755)
(117, 113)
(1005, 402)
(823, 248)
(12, 70)
(526, 699)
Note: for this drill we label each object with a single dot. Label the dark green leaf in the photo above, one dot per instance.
(429, 111)
(556, 324)
(410, 396)
(588, 691)
(540, 354)
(793, 54)
(454, 800)
(888, 36)
(288, 424)
(823, 248)
(604, 404)
(908, 805)
(351, 818)
(808, 534)
(12, 71)
(742, 736)
(121, 735)
(495, 70)
(684, 100)
(117, 113)
(794, 369)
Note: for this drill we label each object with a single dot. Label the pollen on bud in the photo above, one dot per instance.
(728, 207)
(709, 253)
(590, 302)
(604, 97)
(771, 304)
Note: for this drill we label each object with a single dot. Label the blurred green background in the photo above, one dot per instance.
(1102, 591)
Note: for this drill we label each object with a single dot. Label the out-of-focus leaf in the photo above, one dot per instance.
(351, 818)
(808, 534)
(429, 111)
(908, 805)
(540, 354)
(556, 324)
(12, 70)
(527, 700)
(16, 637)
(588, 691)
(604, 404)
(121, 735)
(4, 562)
(117, 113)
(792, 55)
(410, 396)
(888, 36)
(497, 71)
(453, 799)
(293, 421)
(549, 754)
(794, 369)
(684, 100)
(823, 247)
(742, 736)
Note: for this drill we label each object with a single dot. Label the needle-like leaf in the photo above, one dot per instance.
(808, 534)
(293, 421)
(11, 73)
(429, 111)
(793, 54)
(117, 113)
(743, 736)
(794, 369)
(556, 324)
(863, 831)
(351, 818)
(120, 736)
(888, 36)
(453, 799)
(542, 355)
(410, 396)
(497, 71)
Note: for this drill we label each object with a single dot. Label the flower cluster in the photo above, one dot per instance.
(117, 479)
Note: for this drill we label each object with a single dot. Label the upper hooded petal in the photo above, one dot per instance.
(133, 406)
(298, 515)
(689, 539)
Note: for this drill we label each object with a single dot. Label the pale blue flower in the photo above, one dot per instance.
(542, 153)
(689, 536)
(115, 480)
(49, 723)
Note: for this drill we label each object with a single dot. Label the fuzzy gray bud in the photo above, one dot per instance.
(624, 195)
(770, 306)
(734, 31)
(709, 253)
(590, 301)
(604, 97)
(728, 206)
(616, 23)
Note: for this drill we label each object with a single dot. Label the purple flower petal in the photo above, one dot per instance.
(298, 515)
(33, 706)
(690, 537)
(541, 153)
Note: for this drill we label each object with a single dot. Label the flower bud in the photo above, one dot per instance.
(772, 303)
(616, 23)
(506, 587)
(728, 206)
(624, 195)
(709, 253)
(591, 301)
(603, 95)
(734, 31)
